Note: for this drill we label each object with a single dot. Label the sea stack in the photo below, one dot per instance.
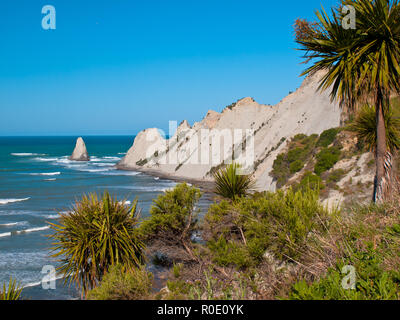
(80, 153)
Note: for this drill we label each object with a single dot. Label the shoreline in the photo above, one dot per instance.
(206, 186)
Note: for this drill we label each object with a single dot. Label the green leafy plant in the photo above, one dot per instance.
(173, 218)
(327, 137)
(94, 235)
(365, 127)
(121, 284)
(230, 184)
(300, 149)
(371, 282)
(326, 159)
(240, 233)
(12, 291)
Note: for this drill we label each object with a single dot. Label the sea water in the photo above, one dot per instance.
(37, 181)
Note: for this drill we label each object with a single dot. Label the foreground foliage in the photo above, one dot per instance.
(281, 223)
(231, 184)
(365, 127)
(121, 284)
(11, 292)
(173, 219)
(94, 235)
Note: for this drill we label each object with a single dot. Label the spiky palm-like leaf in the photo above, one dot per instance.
(360, 64)
(93, 235)
(229, 183)
(357, 61)
(365, 127)
(12, 292)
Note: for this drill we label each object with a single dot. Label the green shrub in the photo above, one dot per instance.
(230, 184)
(172, 214)
(372, 282)
(280, 222)
(309, 181)
(326, 159)
(228, 253)
(300, 149)
(327, 137)
(172, 223)
(296, 166)
(119, 284)
(94, 235)
(365, 128)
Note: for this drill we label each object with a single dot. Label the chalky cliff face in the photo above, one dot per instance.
(248, 132)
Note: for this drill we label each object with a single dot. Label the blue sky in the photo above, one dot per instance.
(119, 66)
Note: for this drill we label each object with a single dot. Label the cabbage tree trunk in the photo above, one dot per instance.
(383, 158)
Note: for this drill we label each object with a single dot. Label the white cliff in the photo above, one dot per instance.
(196, 152)
(80, 152)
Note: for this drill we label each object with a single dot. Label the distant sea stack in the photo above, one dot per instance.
(80, 153)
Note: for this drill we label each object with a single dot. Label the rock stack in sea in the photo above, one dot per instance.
(80, 152)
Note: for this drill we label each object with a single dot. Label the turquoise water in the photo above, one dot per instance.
(37, 181)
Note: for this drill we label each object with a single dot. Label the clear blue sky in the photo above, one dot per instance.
(119, 66)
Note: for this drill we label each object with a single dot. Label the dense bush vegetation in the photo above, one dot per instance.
(121, 284)
(371, 281)
(288, 163)
(173, 218)
(326, 159)
(327, 137)
(309, 181)
(94, 235)
(240, 233)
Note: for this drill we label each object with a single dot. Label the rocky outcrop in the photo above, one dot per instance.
(80, 152)
(198, 151)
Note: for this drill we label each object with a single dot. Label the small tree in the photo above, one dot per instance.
(94, 235)
(173, 221)
(360, 64)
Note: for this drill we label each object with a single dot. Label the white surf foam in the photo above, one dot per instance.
(11, 224)
(6, 201)
(9, 234)
(93, 170)
(35, 284)
(125, 202)
(54, 179)
(46, 174)
(122, 173)
(45, 159)
(52, 216)
(26, 154)
(32, 230)
(6, 234)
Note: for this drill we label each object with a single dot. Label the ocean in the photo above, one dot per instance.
(37, 181)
